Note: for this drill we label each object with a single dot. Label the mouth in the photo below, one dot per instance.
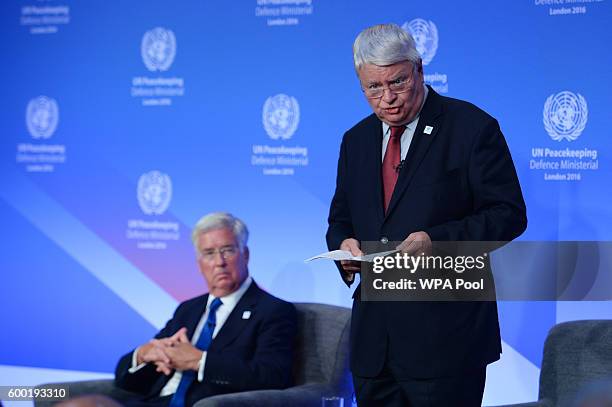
(392, 110)
(222, 276)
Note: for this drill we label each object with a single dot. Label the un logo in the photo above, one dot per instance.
(281, 115)
(154, 192)
(42, 116)
(158, 49)
(565, 115)
(425, 36)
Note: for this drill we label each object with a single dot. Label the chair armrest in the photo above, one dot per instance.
(105, 387)
(306, 395)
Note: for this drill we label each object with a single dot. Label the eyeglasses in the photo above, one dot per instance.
(400, 85)
(226, 252)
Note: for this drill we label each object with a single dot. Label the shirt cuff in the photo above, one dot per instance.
(201, 367)
(135, 366)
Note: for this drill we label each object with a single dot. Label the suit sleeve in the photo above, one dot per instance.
(271, 362)
(143, 380)
(499, 212)
(339, 220)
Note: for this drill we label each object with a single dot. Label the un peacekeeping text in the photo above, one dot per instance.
(565, 159)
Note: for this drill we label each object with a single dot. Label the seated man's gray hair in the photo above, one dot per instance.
(221, 220)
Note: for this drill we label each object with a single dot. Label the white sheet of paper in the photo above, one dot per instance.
(346, 255)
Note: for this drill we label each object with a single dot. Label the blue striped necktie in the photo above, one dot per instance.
(178, 399)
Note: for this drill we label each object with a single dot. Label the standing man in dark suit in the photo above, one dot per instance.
(235, 338)
(422, 168)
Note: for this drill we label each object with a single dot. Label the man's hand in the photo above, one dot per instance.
(183, 355)
(178, 337)
(351, 267)
(156, 351)
(415, 244)
(152, 352)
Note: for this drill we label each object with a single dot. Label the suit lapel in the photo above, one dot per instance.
(430, 117)
(192, 320)
(235, 323)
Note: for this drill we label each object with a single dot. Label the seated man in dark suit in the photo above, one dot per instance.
(235, 338)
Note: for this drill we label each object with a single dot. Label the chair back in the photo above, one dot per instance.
(322, 347)
(575, 354)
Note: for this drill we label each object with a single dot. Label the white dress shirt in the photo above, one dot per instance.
(223, 312)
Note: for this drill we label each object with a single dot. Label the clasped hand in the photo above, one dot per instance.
(175, 352)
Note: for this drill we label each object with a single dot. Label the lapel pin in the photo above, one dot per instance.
(246, 315)
(428, 130)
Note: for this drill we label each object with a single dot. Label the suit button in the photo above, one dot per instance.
(384, 240)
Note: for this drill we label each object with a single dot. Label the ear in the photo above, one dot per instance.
(246, 254)
(358, 72)
(419, 66)
(200, 267)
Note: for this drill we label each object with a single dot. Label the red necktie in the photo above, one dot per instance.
(391, 162)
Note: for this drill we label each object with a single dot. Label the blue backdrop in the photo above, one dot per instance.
(124, 122)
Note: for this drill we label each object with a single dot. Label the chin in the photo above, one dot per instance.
(394, 118)
(395, 121)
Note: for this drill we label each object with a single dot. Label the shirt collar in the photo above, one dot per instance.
(232, 299)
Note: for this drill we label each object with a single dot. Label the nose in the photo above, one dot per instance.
(388, 96)
(219, 258)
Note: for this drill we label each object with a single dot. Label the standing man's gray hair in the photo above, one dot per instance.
(384, 44)
(221, 220)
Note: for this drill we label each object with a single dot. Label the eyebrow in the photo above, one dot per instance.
(399, 76)
(214, 248)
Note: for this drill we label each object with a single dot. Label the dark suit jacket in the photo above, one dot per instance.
(457, 184)
(246, 354)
